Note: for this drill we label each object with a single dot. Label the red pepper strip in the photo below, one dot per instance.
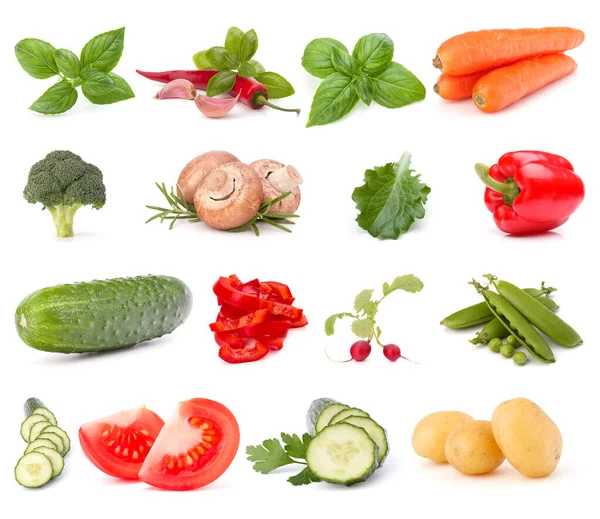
(282, 292)
(291, 313)
(251, 92)
(299, 323)
(253, 283)
(228, 311)
(274, 343)
(242, 322)
(237, 356)
(227, 290)
(269, 328)
(230, 339)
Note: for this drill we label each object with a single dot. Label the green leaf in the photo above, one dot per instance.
(330, 322)
(36, 57)
(371, 308)
(317, 56)
(408, 283)
(374, 53)
(296, 446)
(68, 63)
(390, 200)
(304, 477)
(105, 89)
(201, 60)
(361, 299)
(103, 52)
(378, 332)
(364, 88)
(277, 86)
(221, 58)
(248, 46)
(246, 70)
(257, 66)
(334, 99)
(362, 328)
(343, 62)
(233, 39)
(397, 87)
(268, 456)
(59, 98)
(220, 83)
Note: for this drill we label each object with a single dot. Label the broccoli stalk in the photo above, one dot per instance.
(62, 183)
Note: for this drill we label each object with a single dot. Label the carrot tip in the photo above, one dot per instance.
(479, 100)
(436, 88)
(437, 63)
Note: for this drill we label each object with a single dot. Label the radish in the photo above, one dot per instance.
(360, 350)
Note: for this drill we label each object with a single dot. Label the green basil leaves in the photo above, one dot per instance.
(368, 74)
(92, 70)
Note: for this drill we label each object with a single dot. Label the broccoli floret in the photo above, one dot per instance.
(62, 183)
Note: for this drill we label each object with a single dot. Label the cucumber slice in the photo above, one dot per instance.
(345, 413)
(66, 441)
(37, 429)
(49, 415)
(40, 443)
(33, 470)
(343, 454)
(55, 439)
(315, 410)
(56, 460)
(28, 423)
(375, 431)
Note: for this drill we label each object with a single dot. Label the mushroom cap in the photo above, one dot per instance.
(264, 168)
(229, 196)
(197, 168)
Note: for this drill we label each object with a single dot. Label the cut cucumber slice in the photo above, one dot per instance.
(40, 443)
(47, 413)
(37, 429)
(33, 470)
(57, 461)
(375, 431)
(28, 423)
(315, 410)
(343, 454)
(345, 413)
(55, 439)
(53, 429)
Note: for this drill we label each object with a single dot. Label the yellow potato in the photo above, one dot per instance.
(429, 436)
(471, 448)
(529, 439)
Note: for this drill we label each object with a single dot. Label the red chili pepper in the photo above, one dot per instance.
(531, 191)
(237, 356)
(241, 322)
(251, 92)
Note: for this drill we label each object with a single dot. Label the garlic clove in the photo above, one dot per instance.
(215, 107)
(177, 89)
(285, 179)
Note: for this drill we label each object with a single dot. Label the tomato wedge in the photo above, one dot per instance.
(194, 448)
(118, 444)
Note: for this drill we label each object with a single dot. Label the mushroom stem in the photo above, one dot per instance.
(284, 179)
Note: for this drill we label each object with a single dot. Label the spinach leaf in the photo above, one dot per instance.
(343, 62)
(221, 83)
(364, 88)
(201, 60)
(233, 39)
(106, 89)
(317, 56)
(277, 86)
(59, 98)
(397, 87)
(103, 52)
(246, 70)
(374, 53)
(68, 63)
(334, 99)
(221, 58)
(36, 57)
(248, 46)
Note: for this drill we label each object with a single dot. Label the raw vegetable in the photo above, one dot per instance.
(39, 443)
(320, 413)
(495, 345)
(62, 182)
(34, 406)
(28, 424)
(471, 449)
(33, 470)
(455, 88)
(375, 431)
(278, 179)
(92, 70)
(391, 199)
(531, 191)
(102, 315)
(55, 439)
(347, 413)
(430, 434)
(520, 358)
(56, 460)
(215, 108)
(507, 350)
(177, 89)
(368, 74)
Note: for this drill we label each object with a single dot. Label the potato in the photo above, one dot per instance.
(429, 436)
(529, 439)
(471, 448)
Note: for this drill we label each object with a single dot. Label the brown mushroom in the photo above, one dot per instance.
(196, 169)
(277, 179)
(229, 196)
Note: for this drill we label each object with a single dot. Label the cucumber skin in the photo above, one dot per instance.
(31, 404)
(316, 408)
(102, 315)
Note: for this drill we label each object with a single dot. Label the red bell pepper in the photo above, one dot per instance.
(279, 292)
(228, 290)
(266, 329)
(241, 322)
(237, 356)
(531, 191)
(230, 339)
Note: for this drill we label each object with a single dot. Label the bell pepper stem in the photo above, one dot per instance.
(483, 172)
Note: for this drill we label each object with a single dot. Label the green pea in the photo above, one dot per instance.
(507, 350)
(513, 342)
(520, 358)
(495, 345)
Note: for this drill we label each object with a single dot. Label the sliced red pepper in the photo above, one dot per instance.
(241, 322)
(228, 290)
(269, 328)
(237, 356)
(273, 343)
(228, 311)
(280, 291)
(230, 339)
(299, 323)
(291, 313)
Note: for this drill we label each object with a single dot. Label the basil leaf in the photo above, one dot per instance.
(201, 60)
(68, 63)
(343, 62)
(220, 83)
(374, 53)
(257, 66)
(364, 88)
(248, 46)
(277, 86)
(246, 70)
(36, 57)
(106, 89)
(233, 39)
(103, 52)
(59, 98)
(221, 58)
(317, 56)
(397, 87)
(334, 99)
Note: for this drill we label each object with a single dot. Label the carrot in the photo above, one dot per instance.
(507, 85)
(481, 50)
(454, 88)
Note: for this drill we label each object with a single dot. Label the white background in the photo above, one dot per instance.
(326, 261)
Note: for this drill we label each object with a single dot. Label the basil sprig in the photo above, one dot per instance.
(236, 57)
(368, 74)
(92, 70)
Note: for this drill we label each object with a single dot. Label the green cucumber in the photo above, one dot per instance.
(38, 429)
(40, 443)
(33, 470)
(376, 432)
(28, 424)
(102, 315)
(35, 406)
(345, 413)
(55, 439)
(66, 441)
(56, 460)
(320, 412)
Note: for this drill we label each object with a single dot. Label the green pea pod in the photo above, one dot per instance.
(538, 315)
(519, 327)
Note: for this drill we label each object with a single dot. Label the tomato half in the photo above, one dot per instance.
(194, 448)
(118, 444)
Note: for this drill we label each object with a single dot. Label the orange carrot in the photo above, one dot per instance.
(454, 88)
(505, 86)
(481, 50)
